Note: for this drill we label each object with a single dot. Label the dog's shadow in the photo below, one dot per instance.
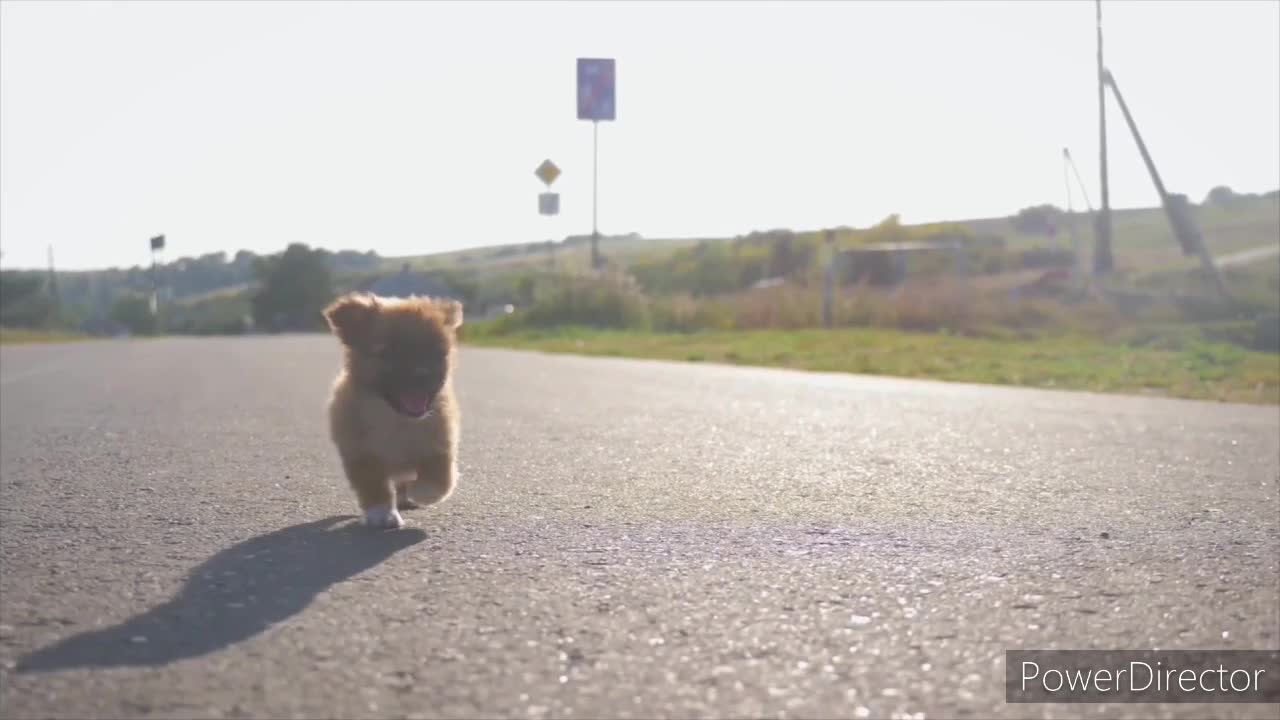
(232, 596)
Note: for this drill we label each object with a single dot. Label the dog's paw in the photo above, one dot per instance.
(430, 491)
(403, 501)
(383, 517)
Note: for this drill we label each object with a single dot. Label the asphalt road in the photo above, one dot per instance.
(1244, 257)
(629, 539)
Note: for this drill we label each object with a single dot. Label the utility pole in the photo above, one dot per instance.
(1180, 221)
(828, 278)
(54, 296)
(1103, 261)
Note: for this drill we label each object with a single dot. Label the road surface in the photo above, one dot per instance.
(1245, 257)
(629, 539)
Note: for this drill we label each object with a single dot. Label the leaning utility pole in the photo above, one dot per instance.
(1175, 207)
(1103, 261)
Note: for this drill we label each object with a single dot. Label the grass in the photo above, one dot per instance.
(22, 336)
(1196, 369)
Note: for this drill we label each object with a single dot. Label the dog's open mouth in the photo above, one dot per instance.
(414, 403)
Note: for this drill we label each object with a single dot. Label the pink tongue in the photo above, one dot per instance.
(415, 403)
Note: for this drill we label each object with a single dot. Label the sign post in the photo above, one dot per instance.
(548, 202)
(597, 89)
(157, 245)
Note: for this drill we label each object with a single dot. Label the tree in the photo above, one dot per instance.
(293, 289)
(133, 311)
(782, 257)
(1221, 196)
(24, 301)
(1038, 220)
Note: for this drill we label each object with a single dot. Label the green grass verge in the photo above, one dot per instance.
(22, 336)
(1198, 370)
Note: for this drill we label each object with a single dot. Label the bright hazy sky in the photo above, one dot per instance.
(409, 127)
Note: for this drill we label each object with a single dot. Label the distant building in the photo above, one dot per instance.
(406, 283)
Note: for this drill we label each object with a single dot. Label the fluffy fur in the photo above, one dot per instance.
(392, 414)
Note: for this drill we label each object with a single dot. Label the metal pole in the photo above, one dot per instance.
(1074, 237)
(54, 296)
(155, 288)
(595, 191)
(1103, 261)
(1084, 191)
(828, 279)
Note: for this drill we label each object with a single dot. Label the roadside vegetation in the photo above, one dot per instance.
(22, 336)
(998, 300)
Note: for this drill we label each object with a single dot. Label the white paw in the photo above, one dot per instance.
(383, 516)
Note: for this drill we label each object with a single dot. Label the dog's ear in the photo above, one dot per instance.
(351, 318)
(451, 310)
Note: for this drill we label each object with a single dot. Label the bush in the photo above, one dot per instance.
(785, 307)
(25, 301)
(612, 300)
(1038, 220)
(1046, 258)
(133, 312)
(217, 315)
(939, 305)
(1266, 335)
(685, 314)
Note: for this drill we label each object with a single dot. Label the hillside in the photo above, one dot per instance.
(1142, 240)
(216, 286)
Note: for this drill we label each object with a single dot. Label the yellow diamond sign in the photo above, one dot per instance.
(547, 172)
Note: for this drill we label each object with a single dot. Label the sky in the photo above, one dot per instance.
(415, 127)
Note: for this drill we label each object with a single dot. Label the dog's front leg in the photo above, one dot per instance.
(403, 501)
(437, 475)
(374, 491)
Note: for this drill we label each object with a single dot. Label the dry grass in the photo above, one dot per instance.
(941, 306)
(24, 336)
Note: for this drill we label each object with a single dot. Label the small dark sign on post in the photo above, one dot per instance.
(157, 243)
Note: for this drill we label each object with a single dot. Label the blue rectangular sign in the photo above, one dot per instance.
(597, 84)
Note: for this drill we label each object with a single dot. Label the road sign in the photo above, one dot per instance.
(597, 83)
(547, 172)
(549, 203)
(157, 242)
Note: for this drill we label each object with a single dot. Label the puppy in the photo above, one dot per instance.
(392, 412)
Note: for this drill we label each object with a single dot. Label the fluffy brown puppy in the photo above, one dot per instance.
(392, 414)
